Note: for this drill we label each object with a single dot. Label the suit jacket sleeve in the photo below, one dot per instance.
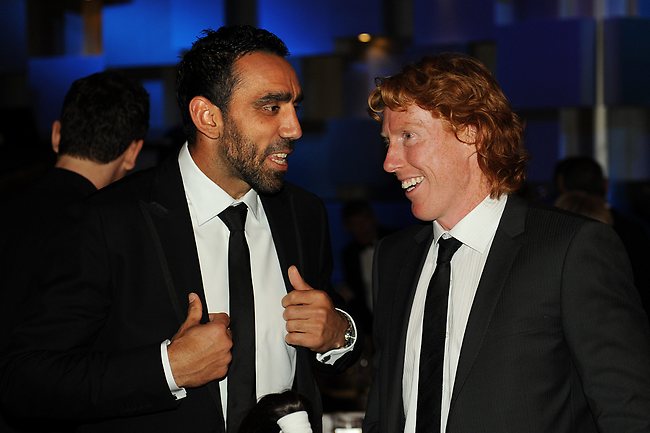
(606, 330)
(61, 363)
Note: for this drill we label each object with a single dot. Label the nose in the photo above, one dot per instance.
(290, 127)
(393, 159)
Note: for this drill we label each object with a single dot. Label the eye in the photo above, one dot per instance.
(407, 135)
(271, 108)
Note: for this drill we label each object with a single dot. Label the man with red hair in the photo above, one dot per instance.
(495, 316)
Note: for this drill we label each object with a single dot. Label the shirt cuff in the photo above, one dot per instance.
(331, 356)
(176, 391)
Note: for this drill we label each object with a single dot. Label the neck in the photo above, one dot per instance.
(472, 199)
(99, 174)
(218, 170)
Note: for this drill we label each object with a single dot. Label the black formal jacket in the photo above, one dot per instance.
(556, 341)
(91, 348)
(28, 220)
(31, 218)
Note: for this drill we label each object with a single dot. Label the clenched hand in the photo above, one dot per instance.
(312, 321)
(200, 353)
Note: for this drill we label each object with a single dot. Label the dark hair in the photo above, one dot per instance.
(264, 416)
(461, 91)
(584, 203)
(207, 69)
(580, 173)
(101, 115)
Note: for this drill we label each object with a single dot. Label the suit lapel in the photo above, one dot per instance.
(168, 222)
(279, 209)
(503, 251)
(285, 229)
(410, 268)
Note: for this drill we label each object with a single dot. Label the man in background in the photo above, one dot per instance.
(583, 174)
(104, 120)
(361, 223)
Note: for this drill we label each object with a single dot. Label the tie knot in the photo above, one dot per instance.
(446, 249)
(234, 217)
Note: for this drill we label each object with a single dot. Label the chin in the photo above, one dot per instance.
(423, 212)
(270, 187)
(422, 216)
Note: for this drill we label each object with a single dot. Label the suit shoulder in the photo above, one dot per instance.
(548, 225)
(552, 218)
(305, 203)
(299, 193)
(132, 187)
(407, 237)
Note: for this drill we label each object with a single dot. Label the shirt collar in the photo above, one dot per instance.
(478, 227)
(206, 197)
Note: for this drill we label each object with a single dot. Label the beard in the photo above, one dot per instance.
(247, 164)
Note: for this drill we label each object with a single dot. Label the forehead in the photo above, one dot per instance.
(412, 117)
(261, 73)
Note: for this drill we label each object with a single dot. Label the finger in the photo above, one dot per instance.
(221, 318)
(298, 325)
(194, 312)
(300, 298)
(300, 339)
(296, 279)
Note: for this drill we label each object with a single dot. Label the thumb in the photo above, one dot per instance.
(296, 279)
(194, 311)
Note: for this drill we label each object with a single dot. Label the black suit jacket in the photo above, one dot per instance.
(636, 239)
(91, 348)
(30, 219)
(556, 341)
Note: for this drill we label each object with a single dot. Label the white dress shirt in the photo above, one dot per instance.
(275, 361)
(476, 232)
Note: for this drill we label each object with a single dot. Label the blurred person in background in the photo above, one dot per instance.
(583, 174)
(97, 139)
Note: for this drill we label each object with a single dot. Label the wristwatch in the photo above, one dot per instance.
(349, 336)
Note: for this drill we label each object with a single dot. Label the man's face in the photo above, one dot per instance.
(261, 124)
(438, 172)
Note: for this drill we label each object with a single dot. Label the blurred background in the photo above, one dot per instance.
(577, 71)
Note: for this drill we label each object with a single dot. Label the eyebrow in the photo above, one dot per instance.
(278, 97)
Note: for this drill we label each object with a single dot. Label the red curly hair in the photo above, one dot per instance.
(461, 91)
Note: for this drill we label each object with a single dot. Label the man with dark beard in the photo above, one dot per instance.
(145, 325)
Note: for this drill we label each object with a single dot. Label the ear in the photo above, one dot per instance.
(207, 117)
(469, 134)
(130, 155)
(56, 136)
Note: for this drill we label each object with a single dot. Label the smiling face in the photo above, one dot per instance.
(260, 125)
(438, 172)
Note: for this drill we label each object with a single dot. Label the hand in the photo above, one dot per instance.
(200, 353)
(312, 321)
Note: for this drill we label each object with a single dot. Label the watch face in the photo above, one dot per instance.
(349, 336)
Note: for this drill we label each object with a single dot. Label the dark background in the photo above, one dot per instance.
(562, 63)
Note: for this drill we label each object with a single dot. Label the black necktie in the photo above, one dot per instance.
(432, 350)
(241, 373)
